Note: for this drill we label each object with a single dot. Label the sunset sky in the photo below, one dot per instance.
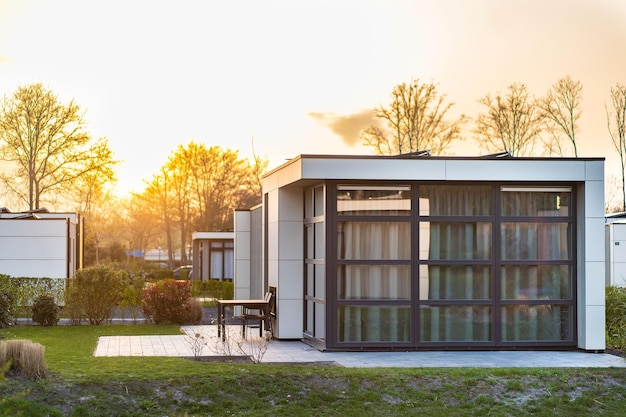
(299, 76)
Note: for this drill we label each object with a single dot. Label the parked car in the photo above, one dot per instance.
(178, 274)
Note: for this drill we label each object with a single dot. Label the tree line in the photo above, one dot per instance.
(53, 160)
(514, 122)
(50, 159)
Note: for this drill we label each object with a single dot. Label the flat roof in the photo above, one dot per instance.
(421, 167)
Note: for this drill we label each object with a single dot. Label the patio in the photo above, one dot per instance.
(298, 352)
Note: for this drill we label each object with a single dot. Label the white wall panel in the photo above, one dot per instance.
(594, 283)
(594, 170)
(34, 248)
(594, 199)
(594, 239)
(594, 337)
(514, 170)
(290, 318)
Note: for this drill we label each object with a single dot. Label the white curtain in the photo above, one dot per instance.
(374, 241)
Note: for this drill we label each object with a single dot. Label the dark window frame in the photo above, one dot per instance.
(496, 262)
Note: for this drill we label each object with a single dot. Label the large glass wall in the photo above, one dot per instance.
(537, 266)
(456, 263)
(373, 272)
(452, 265)
(315, 267)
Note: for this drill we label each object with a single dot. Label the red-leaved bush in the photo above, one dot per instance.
(170, 301)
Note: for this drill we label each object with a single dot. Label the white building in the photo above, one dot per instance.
(213, 255)
(406, 252)
(40, 244)
(615, 234)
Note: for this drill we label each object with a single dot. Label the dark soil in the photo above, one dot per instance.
(616, 352)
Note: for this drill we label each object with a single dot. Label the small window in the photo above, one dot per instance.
(373, 200)
(455, 200)
(536, 201)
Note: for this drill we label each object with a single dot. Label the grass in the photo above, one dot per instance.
(82, 385)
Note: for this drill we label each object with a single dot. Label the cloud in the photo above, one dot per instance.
(347, 127)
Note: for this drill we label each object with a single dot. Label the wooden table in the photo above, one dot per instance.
(256, 304)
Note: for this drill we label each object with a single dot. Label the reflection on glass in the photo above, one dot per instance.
(374, 240)
(536, 241)
(455, 282)
(373, 200)
(319, 240)
(366, 282)
(529, 323)
(516, 201)
(458, 323)
(455, 240)
(536, 282)
(374, 324)
(318, 197)
(455, 200)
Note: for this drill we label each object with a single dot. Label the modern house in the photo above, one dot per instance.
(615, 234)
(213, 255)
(40, 244)
(416, 252)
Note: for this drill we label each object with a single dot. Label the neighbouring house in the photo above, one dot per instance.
(213, 256)
(40, 244)
(417, 252)
(615, 235)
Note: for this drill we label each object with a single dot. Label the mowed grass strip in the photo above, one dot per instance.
(82, 385)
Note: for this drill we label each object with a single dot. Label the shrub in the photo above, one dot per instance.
(45, 310)
(219, 290)
(72, 308)
(616, 316)
(25, 356)
(95, 291)
(131, 298)
(170, 301)
(27, 289)
(195, 312)
(7, 302)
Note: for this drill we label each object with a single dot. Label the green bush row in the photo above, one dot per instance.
(213, 289)
(22, 293)
(91, 295)
(616, 317)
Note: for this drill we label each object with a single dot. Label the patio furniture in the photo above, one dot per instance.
(256, 315)
(262, 304)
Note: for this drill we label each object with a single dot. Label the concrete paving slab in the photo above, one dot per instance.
(298, 352)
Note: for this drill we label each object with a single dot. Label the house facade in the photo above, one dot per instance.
(213, 256)
(406, 252)
(40, 244)
(615, 235)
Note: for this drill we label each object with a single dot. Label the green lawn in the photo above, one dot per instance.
(82, 385)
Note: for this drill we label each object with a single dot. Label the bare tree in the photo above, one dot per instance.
(140, 221)
(259, 168)
(222, 182)
(197, 189)
(613, 195)
(180, 169)
(47, 144)
(511, 123)
(96, 203)
(561, 110)
(158, 200)
(616, 123)
(413, 121)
